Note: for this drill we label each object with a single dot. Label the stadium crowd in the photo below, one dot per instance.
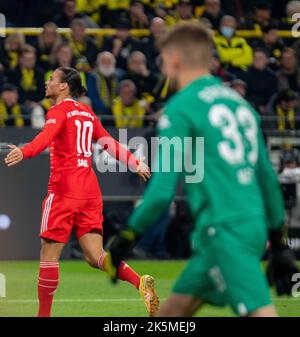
(122, 71)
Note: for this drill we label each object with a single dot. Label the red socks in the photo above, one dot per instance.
(125, 273)
(47, 285)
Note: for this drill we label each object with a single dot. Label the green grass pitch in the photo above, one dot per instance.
(84, 291)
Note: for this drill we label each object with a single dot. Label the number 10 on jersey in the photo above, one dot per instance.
(84, 137)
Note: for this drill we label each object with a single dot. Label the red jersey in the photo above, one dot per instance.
(69, 130)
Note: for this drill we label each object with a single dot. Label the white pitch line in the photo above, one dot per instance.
(77, 300)
(95, 300)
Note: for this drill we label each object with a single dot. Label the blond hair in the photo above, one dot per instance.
(194, 40)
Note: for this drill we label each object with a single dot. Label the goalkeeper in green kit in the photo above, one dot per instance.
(236, 202)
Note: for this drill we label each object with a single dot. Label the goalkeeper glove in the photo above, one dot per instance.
(118, 249)
(282, 264)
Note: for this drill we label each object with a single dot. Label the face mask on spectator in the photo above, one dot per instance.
(228, 32)
(107, 71)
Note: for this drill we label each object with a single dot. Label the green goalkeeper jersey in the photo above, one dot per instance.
(215, 132)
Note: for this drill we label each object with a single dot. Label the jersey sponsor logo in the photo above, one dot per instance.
(164, 122)
(51, 121)
(75, 113)
(210, 94)
(82, 163)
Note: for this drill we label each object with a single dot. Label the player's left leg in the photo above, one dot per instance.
(179, 305)
(92, 246)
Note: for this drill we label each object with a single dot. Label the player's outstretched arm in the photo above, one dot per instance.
(54, 123)
(14, 157)
(116, 150)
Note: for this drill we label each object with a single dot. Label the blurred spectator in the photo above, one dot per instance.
(11, 111)
(137, 16)
(289, 74)
(122, 44)
(91, 9)
(217, 70)
(67, 14)
(127, 109)
(262, 16)
(143, 78)
(113, 11)
(261, 81)
(47, 41)
(271, 42)
(102, 83)
(82, 44)
(161, 11)
(28, 77)
(284, 107)
(9, 54)
(157, 29)
(183, 11)
(234, 52)
(62, 56)
(239, 86)
(161, 93)
(213, 12)
(292, 7)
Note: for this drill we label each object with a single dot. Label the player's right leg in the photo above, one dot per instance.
(56, 226)
(178, 305)
(48, 275)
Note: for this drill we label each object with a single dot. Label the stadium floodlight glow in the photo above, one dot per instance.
(2, 25)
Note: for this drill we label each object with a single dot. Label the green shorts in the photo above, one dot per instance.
(226, 269)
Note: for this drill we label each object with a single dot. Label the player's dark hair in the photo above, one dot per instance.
(72, 77)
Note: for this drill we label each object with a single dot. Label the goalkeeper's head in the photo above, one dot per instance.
(186, 50)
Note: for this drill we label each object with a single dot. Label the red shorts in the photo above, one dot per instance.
(60, 214)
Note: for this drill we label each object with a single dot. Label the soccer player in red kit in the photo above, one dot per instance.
(74, 197)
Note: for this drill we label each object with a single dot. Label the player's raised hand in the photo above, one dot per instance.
(14, 157)
(143, 170)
